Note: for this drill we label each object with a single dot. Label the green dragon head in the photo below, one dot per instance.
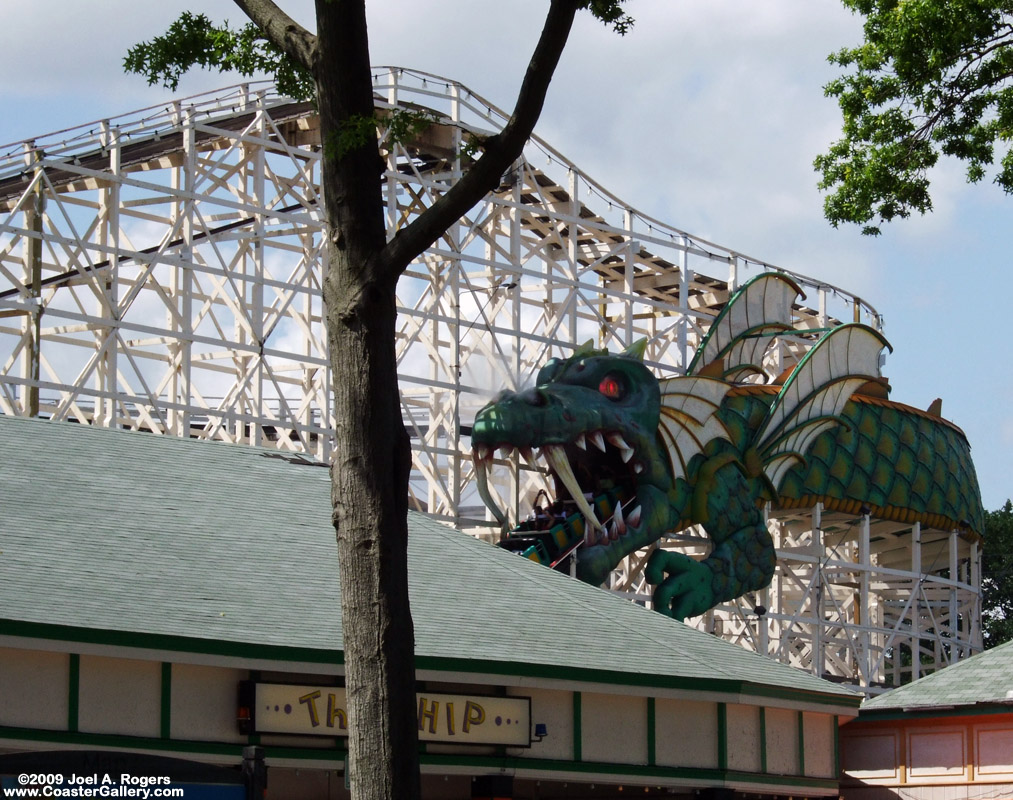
(594, 418)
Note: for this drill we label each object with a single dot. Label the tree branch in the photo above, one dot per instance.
(499, 153)
(281, 30)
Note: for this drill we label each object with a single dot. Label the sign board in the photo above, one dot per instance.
(449, 718)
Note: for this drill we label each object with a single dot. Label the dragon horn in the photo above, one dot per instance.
(585, 349)
(637, 349)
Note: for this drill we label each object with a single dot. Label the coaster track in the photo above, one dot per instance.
(161, 271)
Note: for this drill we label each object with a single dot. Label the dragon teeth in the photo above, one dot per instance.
(618, 526)
(638, 468)
(481, 453)
(597, 441)
(557, 461)
(581, 442)
(482, 478)
(634, 518)
(617, 440)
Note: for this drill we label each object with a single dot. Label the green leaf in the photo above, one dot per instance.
(193, 41)
(997, 576)
(610, 12)
(932, 78)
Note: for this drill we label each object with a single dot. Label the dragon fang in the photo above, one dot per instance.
(635, 458)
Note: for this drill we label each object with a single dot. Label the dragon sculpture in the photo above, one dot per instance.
(636, 458)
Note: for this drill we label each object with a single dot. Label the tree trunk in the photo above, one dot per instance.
(369, 495)
(369, 473)
(372, 458)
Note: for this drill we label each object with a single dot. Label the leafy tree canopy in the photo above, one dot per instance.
(193, 40)
(932, 77)
(997, 576)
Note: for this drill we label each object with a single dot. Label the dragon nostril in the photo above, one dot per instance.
(533, 397)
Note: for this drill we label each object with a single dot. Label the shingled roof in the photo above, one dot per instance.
(132, 539)
(982, 679)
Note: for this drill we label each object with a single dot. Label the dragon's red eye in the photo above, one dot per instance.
(611, 387)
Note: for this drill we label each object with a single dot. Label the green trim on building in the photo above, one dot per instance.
(577, 725)
(178, 644)
(688, 774)
(934, 712)
(652, 741)
(165, 711)
(638, 680)
(169, 746)
(722, 736)
(837, 745)
(334, 657)
(73, 692)
(801, 743)
(337, 754)
(763, 739)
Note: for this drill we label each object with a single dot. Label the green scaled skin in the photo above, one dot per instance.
(697, 450)
(567, 402)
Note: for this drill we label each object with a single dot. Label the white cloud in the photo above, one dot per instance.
(707, 115)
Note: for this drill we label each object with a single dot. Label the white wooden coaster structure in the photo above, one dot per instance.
(161, 271)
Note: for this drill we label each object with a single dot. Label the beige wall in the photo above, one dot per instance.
(820, 731)
(204, 702)
(33, 685)
(555, 710)
(121, 696)
(744, 752)
(686, 733)
(928, 758)
(614, 728)
(782, 741)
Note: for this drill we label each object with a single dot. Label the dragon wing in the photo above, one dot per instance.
(689, 407)
(815, 394)
(762, 304)
(745, 354)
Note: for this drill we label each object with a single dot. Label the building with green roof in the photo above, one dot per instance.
(180, 598)
(949, 734)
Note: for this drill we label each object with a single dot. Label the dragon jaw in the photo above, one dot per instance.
(559, 465)
(592, 419)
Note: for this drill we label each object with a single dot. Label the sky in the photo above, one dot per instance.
(707, 115)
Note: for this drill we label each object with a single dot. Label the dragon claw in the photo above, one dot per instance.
(683, 585)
